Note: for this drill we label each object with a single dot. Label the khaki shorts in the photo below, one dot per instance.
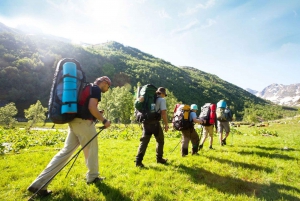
(208, 130)
(223, 125)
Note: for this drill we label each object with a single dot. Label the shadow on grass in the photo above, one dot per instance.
(234, 186)
(240, 164)
(267, 155)
(271, 148)
(110, 194)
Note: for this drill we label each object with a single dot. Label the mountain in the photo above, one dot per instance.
(254, 92)
(287, 95)
(27, 65)
(4, 28)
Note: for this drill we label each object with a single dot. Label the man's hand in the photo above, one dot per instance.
(106, 123)
(141, 99)
(166, 127)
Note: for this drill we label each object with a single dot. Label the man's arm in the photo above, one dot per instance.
(199, 121)
(165, 119)
(96, 113)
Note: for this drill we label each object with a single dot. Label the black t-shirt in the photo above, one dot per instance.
(83, 110)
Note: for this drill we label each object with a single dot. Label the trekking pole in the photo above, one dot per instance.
(201, 133)
(75, 156)
(175, 147)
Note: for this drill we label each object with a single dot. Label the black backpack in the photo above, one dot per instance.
(145, 111)
(68, 82)
(181, 118)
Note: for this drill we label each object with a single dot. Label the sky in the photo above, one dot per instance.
(251, 44)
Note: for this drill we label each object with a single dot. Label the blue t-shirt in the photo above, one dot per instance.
(192, 115)
(160, 104)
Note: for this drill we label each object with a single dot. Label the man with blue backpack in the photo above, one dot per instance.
(224, 116)
(81, 130)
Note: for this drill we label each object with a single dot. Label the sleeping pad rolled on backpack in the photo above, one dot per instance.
(221, 105)
(67, 85)
(145, 111)
(223, 112)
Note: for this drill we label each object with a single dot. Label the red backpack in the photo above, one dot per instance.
(208, 113)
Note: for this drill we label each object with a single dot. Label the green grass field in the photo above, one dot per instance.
(254, 165)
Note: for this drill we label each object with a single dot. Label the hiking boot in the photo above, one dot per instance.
(42, 193)
(96, 180)
(184, 152)
(224, 141)
(139, 164)
(195, 151)
(200, 146)
(161, 160)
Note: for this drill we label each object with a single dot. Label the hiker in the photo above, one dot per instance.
(190, 134)
(208, 112)
(154, 128)
(224, 116)
(80, 131)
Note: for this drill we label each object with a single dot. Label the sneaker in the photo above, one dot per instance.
(196, 154)
(211, 147)
(139, 164)
(224, 141)
(161, 160)
(42, 193)
(96, 180)
(200, 146)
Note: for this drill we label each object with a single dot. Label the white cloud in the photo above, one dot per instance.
(192, 25)
(209, 23)
(164, 14)
(199, 6)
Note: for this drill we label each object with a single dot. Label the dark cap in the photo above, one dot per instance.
(161, 90)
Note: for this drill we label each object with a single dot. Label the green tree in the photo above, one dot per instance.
(35, 113)
(171, 102)
(117, 104)
(7, 113)
(108, 69)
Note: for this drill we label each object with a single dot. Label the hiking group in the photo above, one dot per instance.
(75, 102)
(211, 115)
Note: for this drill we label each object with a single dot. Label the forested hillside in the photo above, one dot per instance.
(27, 64)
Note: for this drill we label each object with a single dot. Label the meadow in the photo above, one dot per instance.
(258, 163)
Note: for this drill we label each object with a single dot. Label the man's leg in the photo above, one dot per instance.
(57, 162)
(160, 141)
(205, 134)
(144, 141)
(85, 130)
(185, 143)
(195, 141)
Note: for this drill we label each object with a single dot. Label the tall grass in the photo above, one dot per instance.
(252, 166)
